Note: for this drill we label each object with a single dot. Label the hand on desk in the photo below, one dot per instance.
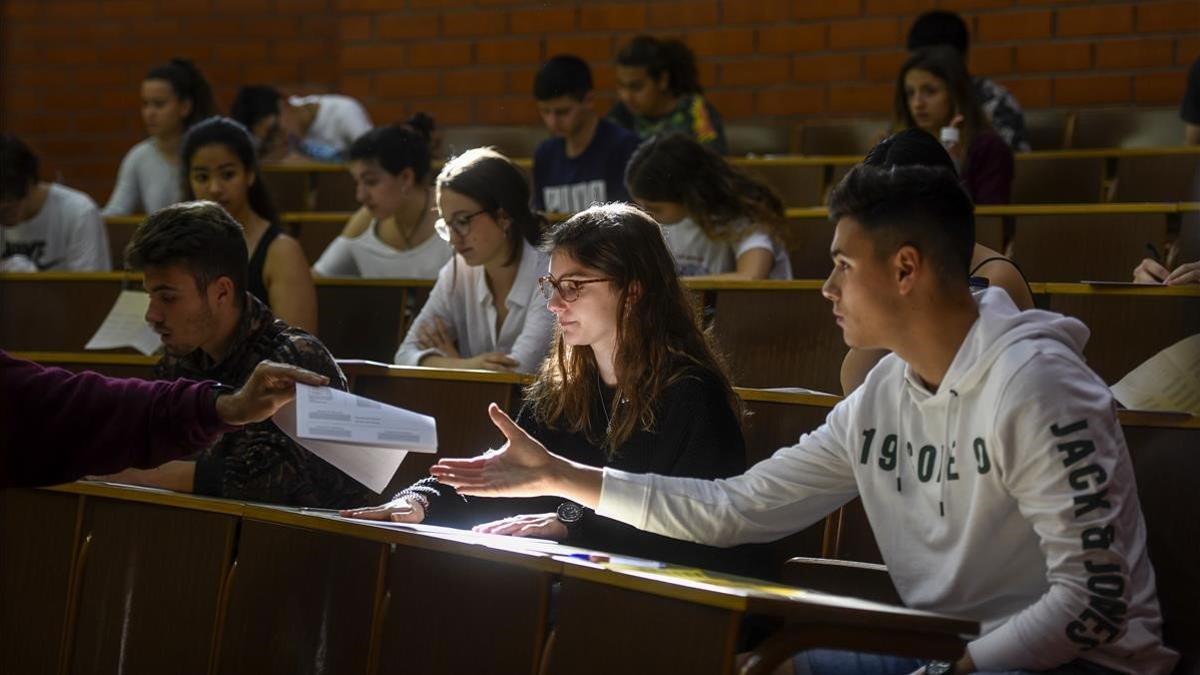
(400, 510)
(1152, 272)
(178, 476)
(538, 525)
(435, 335)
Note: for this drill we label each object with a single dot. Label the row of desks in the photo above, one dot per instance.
(1051, 242)
(1094, 175)
(97, 578)
(799, 345)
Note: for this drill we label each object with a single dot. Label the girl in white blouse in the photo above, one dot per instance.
(392, 235)
(717, 220)
(485, 311)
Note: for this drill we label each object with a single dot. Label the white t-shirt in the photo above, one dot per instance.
(369, 257)
(146, 182)
(462, 299)
(66, 235)
(698, 255)
(340, 120)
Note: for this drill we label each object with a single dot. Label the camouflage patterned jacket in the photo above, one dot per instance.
(260, 463)
(1004, 112)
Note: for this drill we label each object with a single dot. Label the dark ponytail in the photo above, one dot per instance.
(189, 84)
(398, 147)
(663, 56)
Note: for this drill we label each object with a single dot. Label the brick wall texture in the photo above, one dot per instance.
(70, 70)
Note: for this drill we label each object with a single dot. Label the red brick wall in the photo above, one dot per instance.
(70, 69)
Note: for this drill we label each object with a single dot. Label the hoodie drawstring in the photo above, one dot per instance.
(943, 475)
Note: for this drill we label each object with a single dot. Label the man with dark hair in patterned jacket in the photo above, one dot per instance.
(194, 258)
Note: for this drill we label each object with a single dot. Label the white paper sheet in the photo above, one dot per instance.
(365, 439)
(1167, 381)
(125, 325)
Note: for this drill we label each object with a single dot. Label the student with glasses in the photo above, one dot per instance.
(631, 383)
(484, 311)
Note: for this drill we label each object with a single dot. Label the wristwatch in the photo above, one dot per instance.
(219, 390)
(939, 668)
(569, 513)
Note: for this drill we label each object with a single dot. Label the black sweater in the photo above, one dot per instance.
(695, 435)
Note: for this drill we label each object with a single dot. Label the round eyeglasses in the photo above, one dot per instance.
(460, 224)
(568, 289)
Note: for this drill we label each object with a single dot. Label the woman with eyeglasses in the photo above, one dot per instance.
(484, 311)
(631, 383)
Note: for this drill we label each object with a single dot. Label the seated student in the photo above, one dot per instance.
(194, 256)
(632, 383)
(175, 96)
(583, 163)
(45, 226)
(659, 88)
(219, 165)
(933, 92)
(917, 148)
(988, 456)
(57, 426)
(318, 127)
(939, 27)
(718, 221)
(1189, 108)
(1152, 272)
(392, 235)
(484, 310)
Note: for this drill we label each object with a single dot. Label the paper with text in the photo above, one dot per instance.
(1167, 381)
(125, 325)
(366, 439)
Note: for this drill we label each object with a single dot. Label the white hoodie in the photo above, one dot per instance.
(1037, 533)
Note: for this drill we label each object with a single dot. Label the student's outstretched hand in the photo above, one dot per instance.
(270, 386)
(1187, 273)
(400, 510)
(538, 525)
(522, 468)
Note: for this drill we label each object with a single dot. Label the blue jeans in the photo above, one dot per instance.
(832, 662)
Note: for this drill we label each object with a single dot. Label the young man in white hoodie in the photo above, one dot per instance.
(987, 455)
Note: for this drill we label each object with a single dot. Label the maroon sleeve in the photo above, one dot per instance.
(989, 170)
(56, 426)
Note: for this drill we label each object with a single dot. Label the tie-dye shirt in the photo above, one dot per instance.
(692, 115)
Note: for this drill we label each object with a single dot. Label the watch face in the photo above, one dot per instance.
(939, 668)
(570, 512)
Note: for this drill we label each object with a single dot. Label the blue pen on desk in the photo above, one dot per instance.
(589, 557)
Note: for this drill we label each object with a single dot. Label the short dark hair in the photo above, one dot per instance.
(939, 27)
(18, 167)
(911, 147)
(188, 84)
(663, 56)
(227, 132)
(563, 75)
(397, 147)
(202, 236)
(922, 206)
(253, 103)
(496, 184)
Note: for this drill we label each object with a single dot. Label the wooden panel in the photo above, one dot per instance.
(289, 189)
(315, 235)
(54, 312)
(850, 137)
(120, 231)
(1127, 128)
(1071, 248)
(1128, 329)
(37, 547)
(1047, 129)
(512, 141)
(1166, 462)
(460, 406)
(151, 585)
(769, 427)
(803, 346)
(795, 185)
(758, 139)
(604, 629)
(500, 609)
(989, 231)
(301, 601)
(1172, 178)
(1052, 180)
(808, 240)
(366, 321)
(334, 192)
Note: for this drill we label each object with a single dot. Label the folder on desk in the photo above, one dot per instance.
(366, 439)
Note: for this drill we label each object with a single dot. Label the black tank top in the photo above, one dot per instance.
(1010, 262)
(254, 277)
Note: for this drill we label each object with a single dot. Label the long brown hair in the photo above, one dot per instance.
(674, 167)
(946, 64)
(659, 339)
